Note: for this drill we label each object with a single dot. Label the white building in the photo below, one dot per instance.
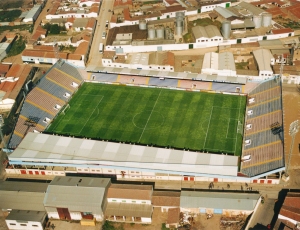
(221, 64)
(26, 220)
(264, 58)
(207, 34)
(161, 61)
(76, 198)
(33, 14)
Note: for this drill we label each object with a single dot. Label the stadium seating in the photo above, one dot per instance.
(49, 93)
(266, 148)
(62, 79)
(54, 89)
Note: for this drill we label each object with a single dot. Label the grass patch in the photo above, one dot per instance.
(11, 4)
(241, 65)
(18, 28)
(9, 16)
(153, 116)
(17, 47)
(69, 48)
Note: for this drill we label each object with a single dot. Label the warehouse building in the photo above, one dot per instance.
(76, 198)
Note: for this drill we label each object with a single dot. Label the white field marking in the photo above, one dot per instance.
(212, 108)
(163, 121)
(229, 119)
(90, 115)
(237, 126)
(150, 115)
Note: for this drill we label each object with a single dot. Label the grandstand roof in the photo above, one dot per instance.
(47, 149)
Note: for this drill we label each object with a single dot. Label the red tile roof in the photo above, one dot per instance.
(122, 3)
(291, 206)
(173, 9)
(275, 11)
(82, 48)
(128, 191)
(94, 8)
(54, 8)
(282, 31)
(173, 216)
(12, 89)
(91, 23)
(4, 68)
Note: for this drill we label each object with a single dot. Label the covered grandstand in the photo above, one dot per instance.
(44, 102)
(262, 147)
(263, 136)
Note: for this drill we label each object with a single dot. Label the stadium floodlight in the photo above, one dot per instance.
(293, 130)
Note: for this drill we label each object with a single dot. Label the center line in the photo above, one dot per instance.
(149, 116)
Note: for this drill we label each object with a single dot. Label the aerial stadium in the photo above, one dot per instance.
(134, 127)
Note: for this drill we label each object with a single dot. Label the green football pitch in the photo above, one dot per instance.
(160, 117)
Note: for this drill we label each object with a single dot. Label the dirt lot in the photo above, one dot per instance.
(158, 218)
(291, 110)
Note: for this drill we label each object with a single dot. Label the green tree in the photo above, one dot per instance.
(54, 29)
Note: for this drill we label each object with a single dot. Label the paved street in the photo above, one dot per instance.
(95, 58)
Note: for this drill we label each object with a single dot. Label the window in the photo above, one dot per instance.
(114, 200)
(23, 224)
(133, 201)
(12, 224)
(34, 225)
(124, 201)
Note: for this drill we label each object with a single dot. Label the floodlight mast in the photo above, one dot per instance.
(293, 130)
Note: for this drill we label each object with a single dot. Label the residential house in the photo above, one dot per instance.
(173, 218)
(166, 200)
(129, 203)
(289, 214)
(25, 220)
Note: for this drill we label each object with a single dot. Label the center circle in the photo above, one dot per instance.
(148, 120)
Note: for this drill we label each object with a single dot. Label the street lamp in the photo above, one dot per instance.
(294, 129)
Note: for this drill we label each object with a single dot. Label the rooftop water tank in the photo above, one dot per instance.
(142, 24)
(151, 33)
(160, 30)
(266, 20)
(257, 20)
(179, 27)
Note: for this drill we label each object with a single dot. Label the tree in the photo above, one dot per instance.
(54, 29)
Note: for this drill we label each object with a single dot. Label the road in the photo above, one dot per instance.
(95, 58)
